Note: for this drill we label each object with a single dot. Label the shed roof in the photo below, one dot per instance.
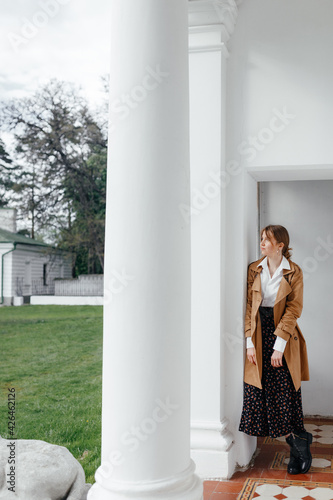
(8, 237)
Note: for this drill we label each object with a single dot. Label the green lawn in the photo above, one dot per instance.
(52, 356)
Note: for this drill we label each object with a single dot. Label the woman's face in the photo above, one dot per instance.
(269, 246)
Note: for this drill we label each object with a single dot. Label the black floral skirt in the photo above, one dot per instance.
(276, 409)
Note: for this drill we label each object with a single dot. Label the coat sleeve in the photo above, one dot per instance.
(294, 306)
(250, 279)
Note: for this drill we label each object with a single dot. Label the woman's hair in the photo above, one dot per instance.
(281, 235)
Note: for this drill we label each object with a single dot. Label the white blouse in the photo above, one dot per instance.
(269, 289)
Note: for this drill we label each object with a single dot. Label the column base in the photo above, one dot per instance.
(213, 450)
(185, 486)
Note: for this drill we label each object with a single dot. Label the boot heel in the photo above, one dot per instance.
(310, 437)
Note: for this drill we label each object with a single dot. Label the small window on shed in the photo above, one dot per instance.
(45, 274)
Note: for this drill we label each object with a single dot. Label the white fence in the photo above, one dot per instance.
(84, 285)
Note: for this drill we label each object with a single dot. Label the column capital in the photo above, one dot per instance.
(214, 18)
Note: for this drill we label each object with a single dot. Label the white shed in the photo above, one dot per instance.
(27, 266)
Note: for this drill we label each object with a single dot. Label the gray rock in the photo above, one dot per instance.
(88, 486)
(36, 470)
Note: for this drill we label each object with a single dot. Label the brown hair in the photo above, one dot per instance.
(281, 235)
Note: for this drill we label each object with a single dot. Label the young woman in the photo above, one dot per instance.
(276, 358)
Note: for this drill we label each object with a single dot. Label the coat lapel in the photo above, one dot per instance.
(256, 289)
(284, 288)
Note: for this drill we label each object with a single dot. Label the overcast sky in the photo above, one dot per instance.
(44, 39)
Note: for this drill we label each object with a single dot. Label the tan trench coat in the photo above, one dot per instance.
(287, 309)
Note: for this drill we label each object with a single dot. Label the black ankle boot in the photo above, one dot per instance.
(300, 448)
(294, 465)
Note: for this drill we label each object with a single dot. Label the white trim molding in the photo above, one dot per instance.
(291, 172)
(208, 12)
(208, 39)
(202, 430)
(211, 449)
(211, 23)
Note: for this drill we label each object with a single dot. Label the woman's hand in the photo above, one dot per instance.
(276, 359)
(251, 355)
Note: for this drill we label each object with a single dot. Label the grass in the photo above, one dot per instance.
(52, 357)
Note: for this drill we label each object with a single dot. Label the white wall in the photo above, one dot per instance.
(279, 101)
(305, 208)
(279, 112)
(6, 273)
(240, 248)
(281, 57)
(65, 300)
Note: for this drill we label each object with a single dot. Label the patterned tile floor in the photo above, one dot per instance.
(267, 478)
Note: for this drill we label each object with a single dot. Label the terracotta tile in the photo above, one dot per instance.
(274, 447)
(255, 472)
(224, 496)
(210, 481)
(274, 474)
(322, 477)
(264, 459)
(299, 477)
(209, 486)
(252, 472)
(228, 487)
(277, 442)
(238, 477)
(316, 450)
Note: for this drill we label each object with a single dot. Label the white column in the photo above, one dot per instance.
(146, 366)
(212, 435)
